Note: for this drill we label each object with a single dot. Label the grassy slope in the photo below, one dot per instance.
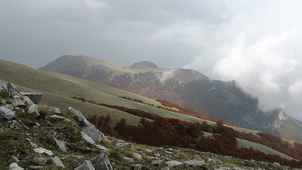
(256, 146)
(60, 88)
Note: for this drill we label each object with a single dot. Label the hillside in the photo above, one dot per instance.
(46, 137)
(187, 88)
(60, 89)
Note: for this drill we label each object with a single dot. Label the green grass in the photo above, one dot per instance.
(259, 147)
(59, 89)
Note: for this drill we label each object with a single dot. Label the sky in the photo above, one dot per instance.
(255, 42)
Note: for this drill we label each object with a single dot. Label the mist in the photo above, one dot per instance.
(254, 42)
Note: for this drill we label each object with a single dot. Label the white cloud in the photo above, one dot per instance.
(96, 4)
(295, 90)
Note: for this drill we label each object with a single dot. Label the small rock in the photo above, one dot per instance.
(57, 117)
(101, 147)
(33, 167)
(6, 113)
(148, 150)
(86, 165)
(101, 162)
(41, 150)
(127, 159)
(157, 162)
(79, 116)
(87, 138)
(122, 145)
(93, 133)
(57, 161)
(33, 109)
(15, 166)
(137, 156)
(61, 144)
(18, 101)
(40, 160)
(54, 110)
(194, 163)
(173, 163)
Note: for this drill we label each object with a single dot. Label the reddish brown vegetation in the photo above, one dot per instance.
(174, 132)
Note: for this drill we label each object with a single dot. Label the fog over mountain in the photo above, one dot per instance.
(253, 42)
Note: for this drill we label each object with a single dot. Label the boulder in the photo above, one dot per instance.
(15, 166)
(86, 165)
(93, 133)
(6, 113)
(88, 129)
(101, 162)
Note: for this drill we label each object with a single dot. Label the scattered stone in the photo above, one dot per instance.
(54, 110)
(15, 166)
(194, 163)
(173, 163)
(137, 156)
(57, 117)
(122, 145)
(127, 159)
(88, 129)
(157, 162)
(93, 133)
(148, 150)
(86, 165)
(33, 109)
(79, 117)
(101, 162)
(7, 113)
(87, 138)
(101, 147)
(57, 162)
(61, 144)
(40, 160)
(32, 167)
(41, 150)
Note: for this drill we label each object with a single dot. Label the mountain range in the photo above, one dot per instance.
(187, 88)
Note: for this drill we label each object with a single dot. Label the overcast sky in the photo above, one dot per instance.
(256, 42)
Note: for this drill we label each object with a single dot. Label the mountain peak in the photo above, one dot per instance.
(144, 65)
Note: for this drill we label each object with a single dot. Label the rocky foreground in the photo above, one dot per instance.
(44, 137)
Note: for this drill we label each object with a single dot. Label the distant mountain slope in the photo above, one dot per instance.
(188, 88)
(60, 89)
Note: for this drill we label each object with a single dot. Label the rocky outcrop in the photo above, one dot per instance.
(46, 141)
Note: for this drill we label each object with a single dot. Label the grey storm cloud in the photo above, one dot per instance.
(254, 42)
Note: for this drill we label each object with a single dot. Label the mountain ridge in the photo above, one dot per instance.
(191, 89)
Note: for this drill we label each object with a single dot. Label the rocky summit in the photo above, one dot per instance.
(34, 136)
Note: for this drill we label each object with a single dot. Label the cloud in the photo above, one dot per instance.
(254, 42)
